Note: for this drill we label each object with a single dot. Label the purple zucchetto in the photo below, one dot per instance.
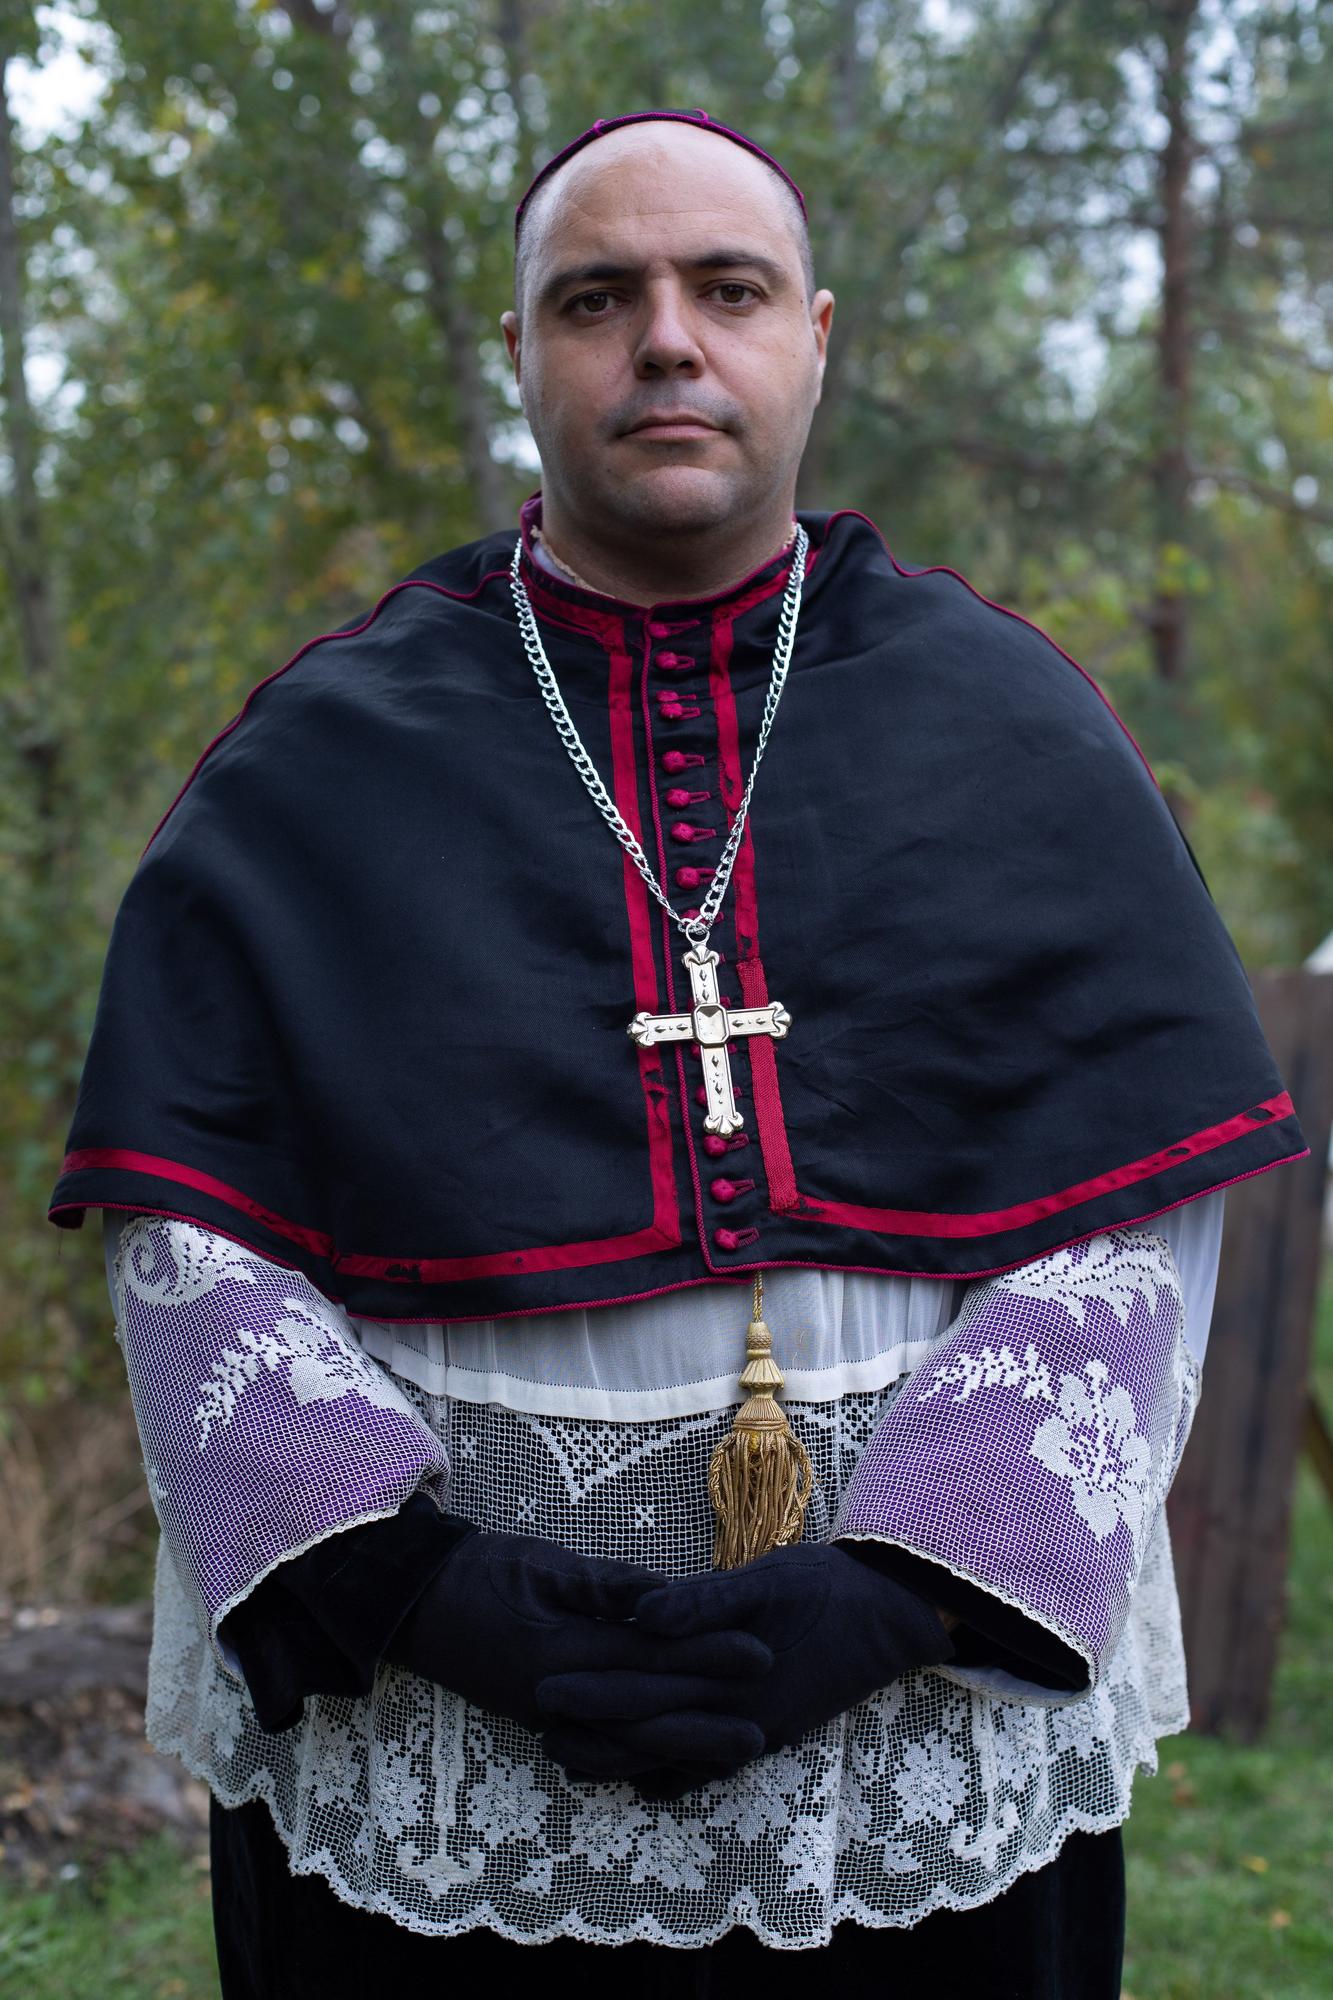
(699, 119)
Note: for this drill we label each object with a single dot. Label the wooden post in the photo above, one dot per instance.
(1230, 1507)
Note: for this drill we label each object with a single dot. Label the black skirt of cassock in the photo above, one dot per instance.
(1056, 1934)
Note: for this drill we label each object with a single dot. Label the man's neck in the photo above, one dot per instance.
(673, 567)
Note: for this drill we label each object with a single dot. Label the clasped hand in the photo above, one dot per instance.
(831, 1631)
(627, 1674)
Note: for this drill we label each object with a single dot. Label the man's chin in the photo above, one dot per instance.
(675, 499)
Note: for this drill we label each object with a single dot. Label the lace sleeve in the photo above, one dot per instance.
(1031, 1454)
(264, 1427)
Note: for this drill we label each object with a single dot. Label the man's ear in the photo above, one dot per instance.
(821, 321)
(509, 327)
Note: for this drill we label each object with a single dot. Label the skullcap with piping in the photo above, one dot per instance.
(699, 119)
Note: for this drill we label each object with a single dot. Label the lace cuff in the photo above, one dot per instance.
(1031, 1455)
(264, 1427)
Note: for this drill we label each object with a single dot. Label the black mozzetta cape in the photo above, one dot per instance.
(365, 1002)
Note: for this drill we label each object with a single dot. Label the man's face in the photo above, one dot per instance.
(668, 357)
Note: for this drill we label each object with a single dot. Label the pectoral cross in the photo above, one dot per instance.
(711, 1025)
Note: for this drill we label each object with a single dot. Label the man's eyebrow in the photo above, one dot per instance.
(730, 259)
(724, 258)
(583, 274)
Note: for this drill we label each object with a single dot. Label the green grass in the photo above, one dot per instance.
(1230, 1849)
(142, 1930)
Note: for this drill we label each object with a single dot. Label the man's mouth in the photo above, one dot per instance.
(666, 428)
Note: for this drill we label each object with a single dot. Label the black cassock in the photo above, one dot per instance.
(1057, 1934)
(366, 1002)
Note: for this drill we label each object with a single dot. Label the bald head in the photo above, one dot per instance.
(668, 349)
(678, 150)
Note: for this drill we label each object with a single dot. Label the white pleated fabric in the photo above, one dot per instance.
(839, 1332)
(594, 1429)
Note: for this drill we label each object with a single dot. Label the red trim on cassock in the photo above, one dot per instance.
(125, 1160)
(893, 1221)
(584, 607)
(666, 1225)
(416, 1270)
(761, 1050)
(994, 1222)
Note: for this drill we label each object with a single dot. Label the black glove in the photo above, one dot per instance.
(507, 1614)
(838, 1630)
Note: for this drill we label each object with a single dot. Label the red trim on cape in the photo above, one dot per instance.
(995, 1222)
(123, 1159)
(666, 1224)
(445, 1269)
(406, 1270)
(739, 1274)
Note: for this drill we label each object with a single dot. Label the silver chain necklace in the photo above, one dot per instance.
(708, 1023)
(696, 929)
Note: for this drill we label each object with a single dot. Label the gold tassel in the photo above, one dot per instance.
(760, 1477)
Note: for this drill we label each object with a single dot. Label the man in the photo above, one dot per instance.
(450, 1200)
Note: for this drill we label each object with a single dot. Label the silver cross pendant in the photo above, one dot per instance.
(712, 1026)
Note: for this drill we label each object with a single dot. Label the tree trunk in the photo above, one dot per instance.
(1168, 619)
(25, 555)
(449, 307)
(453, 316)
(511, 29)
(828, 230)
(861, 318)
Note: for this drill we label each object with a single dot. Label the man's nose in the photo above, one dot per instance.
(667, 343)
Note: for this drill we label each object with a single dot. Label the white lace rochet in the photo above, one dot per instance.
(938, 1792)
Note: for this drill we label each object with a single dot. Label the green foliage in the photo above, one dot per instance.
(140, 1929)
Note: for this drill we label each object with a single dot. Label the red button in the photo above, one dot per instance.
(734, 1239)
(682, 830)
(680, 760)
(715, 1145)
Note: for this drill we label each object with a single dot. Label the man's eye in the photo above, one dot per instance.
(733, 293)
(594, 303)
